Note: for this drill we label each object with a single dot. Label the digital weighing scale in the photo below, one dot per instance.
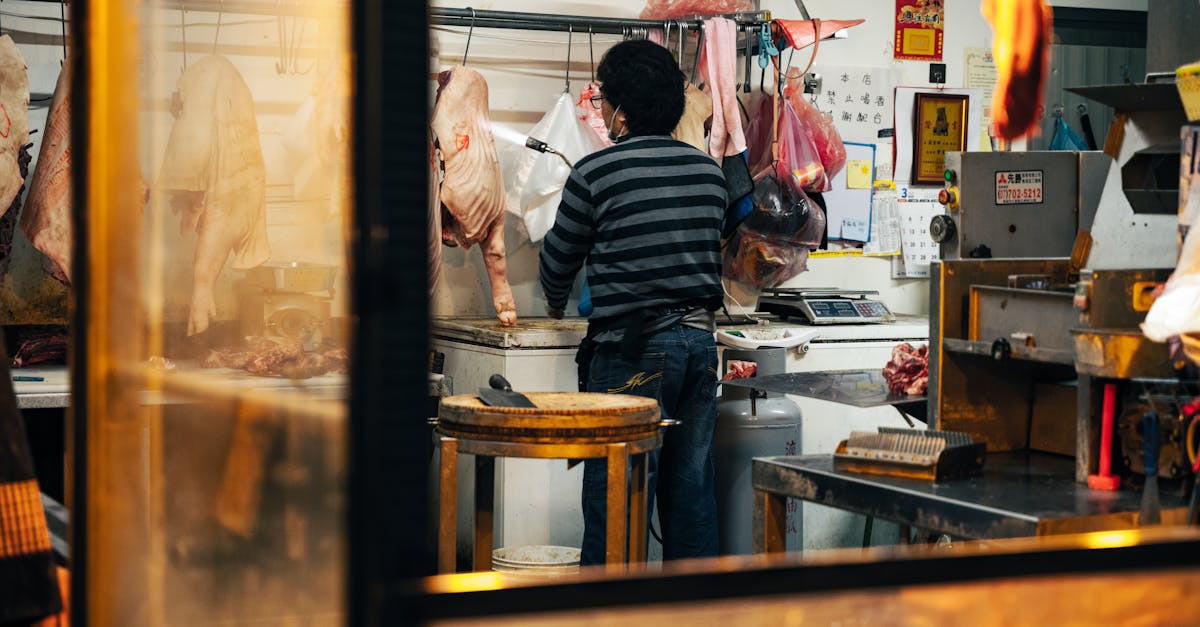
(825, 306)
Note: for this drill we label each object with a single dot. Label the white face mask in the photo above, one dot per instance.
(613, 120)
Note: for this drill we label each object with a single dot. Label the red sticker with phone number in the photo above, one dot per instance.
(1022, 187)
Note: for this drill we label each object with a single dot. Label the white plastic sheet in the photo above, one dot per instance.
(1177, 309)
(534, 181)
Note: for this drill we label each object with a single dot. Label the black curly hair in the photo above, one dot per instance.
(643, 79)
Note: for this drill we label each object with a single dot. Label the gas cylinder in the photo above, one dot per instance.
(751, 424)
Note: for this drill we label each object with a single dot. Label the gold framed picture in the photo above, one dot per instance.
(939, 126)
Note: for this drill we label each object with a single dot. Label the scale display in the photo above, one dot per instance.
(825, 306)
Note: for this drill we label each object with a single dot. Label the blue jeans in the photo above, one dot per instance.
(685, 362)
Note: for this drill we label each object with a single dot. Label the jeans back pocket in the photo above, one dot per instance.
(612, 373)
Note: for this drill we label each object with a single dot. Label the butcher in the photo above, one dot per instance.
(644, 217)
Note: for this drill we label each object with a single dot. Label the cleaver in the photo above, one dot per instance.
(501, 394)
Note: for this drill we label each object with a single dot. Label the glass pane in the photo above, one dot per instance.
(219, 221)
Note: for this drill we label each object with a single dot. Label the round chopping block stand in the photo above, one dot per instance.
(564, 425)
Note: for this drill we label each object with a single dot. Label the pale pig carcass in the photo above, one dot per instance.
(215, 175)
(697, 110)
(46, 219)
(14, 133)
(472, 191)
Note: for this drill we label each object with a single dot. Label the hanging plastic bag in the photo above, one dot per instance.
(1064, 138)
(1177, 310)
(825, 136)
(799, 162)
(672, 9)
(533, 181)
(771, 245)
(758, 134)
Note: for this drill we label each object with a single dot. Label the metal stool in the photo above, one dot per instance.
(564, 425)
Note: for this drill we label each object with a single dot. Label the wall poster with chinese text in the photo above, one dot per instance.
(858, 98)
(919, 28)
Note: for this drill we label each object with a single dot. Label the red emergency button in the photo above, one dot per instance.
(949, 197)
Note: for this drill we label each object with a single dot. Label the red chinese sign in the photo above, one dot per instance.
(919, 26)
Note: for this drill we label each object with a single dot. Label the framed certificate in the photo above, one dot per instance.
(939, 126)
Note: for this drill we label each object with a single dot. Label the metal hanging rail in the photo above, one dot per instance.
(580, 24)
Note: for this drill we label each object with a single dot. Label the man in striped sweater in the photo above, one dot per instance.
(644, 216)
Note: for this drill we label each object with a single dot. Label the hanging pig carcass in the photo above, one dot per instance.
(214, 175)
(46, 220)
(472, 191)
(14, 134)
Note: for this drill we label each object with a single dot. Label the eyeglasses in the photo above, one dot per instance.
(596, 100)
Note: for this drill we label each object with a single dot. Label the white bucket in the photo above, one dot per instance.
(536, 561)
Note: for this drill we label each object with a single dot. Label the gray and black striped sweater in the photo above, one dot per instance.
(645, 215)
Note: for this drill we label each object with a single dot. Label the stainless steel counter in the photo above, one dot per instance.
(53, 392)
(1021, 493)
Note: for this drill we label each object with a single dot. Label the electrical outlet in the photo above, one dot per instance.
(812, 83)
(937, 73)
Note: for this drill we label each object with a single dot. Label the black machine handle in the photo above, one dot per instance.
(498, 382)
(1001, 349)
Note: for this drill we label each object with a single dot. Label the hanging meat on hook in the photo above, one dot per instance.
(1022, 52)
(472, 191)
(697, 110)
(46, 219)
(215, 176)
(14, 135)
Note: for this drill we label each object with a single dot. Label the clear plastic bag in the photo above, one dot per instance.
(672, 9)
(1177, 310)
(771, 245)
(824, 135)
(533, 181)
(799, 163)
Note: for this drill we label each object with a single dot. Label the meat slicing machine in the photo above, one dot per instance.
(1049, 263)
(288, 299)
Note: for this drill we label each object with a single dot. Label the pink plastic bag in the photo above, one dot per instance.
(825, 136)
(671, 9)
(758, 135)
(800, 164)
(771, 245)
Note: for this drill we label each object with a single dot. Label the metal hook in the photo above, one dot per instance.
(62, 14)
(1082, 108)
(183, 29)
(217, 34)
(699, 46)
(570, 36)
(749, 51)
(682, 35)
(1057, 111)
(591, 53)
(667, 34)
(470, 31)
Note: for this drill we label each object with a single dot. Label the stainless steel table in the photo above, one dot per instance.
(859, 388)
(1023, 493)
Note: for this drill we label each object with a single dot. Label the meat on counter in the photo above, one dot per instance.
(44, 348)
(216, 177)
(472, 191)
(278, 357)
(908, 370)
